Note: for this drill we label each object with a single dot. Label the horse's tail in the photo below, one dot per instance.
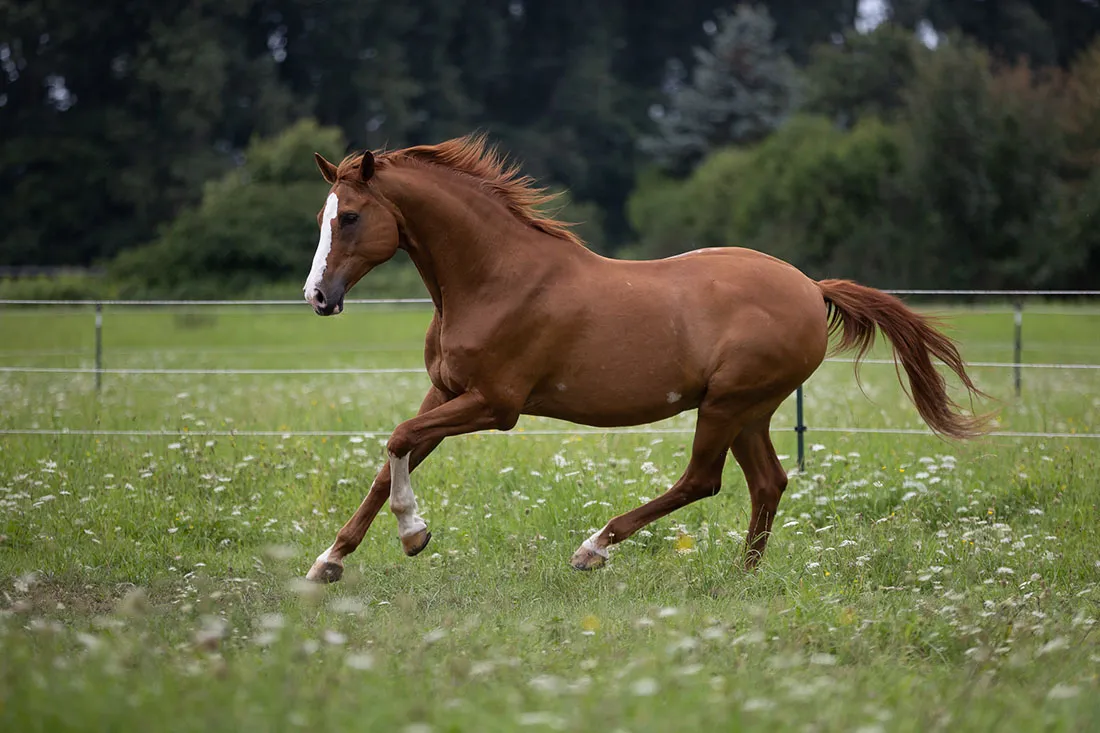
(855, 311)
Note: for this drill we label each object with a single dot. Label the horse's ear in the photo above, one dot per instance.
(366, 166)
(328, 170)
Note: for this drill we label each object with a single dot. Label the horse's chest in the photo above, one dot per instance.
(446, 378)
(452, 369)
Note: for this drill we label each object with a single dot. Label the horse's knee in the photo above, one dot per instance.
(701, 488)
(401, 442)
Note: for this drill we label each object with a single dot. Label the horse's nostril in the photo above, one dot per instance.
(319, 298)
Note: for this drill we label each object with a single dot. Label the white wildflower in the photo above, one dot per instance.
(435, 635)
(1063, 692)
(361, 661)
(541, 718)
(1054, 645)
(757, 703)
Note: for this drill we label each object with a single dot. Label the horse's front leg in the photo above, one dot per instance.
(329, 565)
(410, 443)
(467, 413)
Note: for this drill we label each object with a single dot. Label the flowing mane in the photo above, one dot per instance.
(474, 157)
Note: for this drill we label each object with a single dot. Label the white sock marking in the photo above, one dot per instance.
(590, 544)
(324, 246)
(323, 557)
(402, 499)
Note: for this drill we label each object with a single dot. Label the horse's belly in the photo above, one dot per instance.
(613, 404)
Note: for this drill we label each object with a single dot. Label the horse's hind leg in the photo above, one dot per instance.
(766, 479)
(716, 427)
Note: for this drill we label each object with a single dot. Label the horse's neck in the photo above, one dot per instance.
(462, 239)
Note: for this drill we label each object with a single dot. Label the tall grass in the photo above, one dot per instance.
(154, 583)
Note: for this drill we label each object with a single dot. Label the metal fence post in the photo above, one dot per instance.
(800, 429)
(98, 346)
(1018, 346)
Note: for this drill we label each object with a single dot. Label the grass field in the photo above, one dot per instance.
(153, 582)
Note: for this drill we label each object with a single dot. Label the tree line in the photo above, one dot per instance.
(955, 144)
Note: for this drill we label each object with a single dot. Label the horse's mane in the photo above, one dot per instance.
(474, 157)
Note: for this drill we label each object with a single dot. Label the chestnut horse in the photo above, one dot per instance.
(529, 322)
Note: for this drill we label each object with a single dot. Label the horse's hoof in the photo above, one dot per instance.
(415, 543)
(325, 572)
(586, 559)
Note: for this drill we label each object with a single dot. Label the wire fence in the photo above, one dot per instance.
(128, 371)
(228, 303)
(800, 428)
(428, 301)
(517, 433)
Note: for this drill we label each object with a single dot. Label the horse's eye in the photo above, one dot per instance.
(346, 220)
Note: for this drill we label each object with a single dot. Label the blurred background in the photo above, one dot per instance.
(163, 149)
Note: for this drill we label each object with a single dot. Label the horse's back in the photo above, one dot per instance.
(734, 283)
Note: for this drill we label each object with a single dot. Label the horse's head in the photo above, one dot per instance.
(358, 232)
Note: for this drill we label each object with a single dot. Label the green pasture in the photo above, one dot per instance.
(154, 582)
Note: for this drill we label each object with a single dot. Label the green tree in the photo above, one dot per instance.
(741, 89)
(254, 225)
(1046, 32)
(113, 114)
(1082, 262)
(348, 62)
(866, 74)
(983, 171)
(1082, 114)
(801, 25)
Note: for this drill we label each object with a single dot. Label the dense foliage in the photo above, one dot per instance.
(950, 169)
(159, 131)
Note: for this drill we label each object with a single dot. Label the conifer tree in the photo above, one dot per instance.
(742, 88)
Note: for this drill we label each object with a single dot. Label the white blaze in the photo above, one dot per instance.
(324, 246)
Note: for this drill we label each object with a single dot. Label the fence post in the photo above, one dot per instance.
(98, 346)
(1018, 345)
(800, 429)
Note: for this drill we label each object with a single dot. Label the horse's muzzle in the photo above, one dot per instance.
(324, 305)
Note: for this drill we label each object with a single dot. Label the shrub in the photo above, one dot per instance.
(256, 225)
(811, 194)
(62, 287)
